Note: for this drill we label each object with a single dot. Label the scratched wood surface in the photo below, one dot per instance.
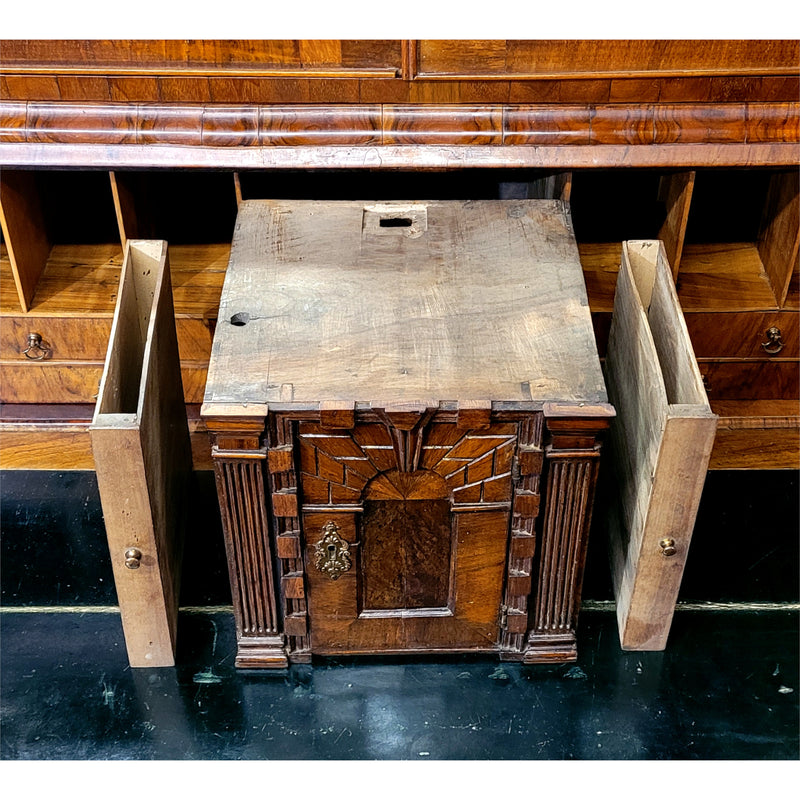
(425, 302)
(662, 441)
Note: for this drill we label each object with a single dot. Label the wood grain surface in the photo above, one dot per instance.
(429, 156)
(426, 71)
(56, 437)
(742, 334)
(662, 442)
(142, 455)
(24, 233)
(756, 434)
(558, 59)
(290, 121)
(478, 296)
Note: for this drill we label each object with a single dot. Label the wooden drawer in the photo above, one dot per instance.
(661, 444)
(751, 380)
(66, 338)
(86, 338)
(142, 456)
(74, 382)
(744, 334)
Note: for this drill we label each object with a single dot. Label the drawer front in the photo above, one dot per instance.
(66, 338)
(745, 334)
(756, 448)
(750, 380)
(58, 382)
(86, 338)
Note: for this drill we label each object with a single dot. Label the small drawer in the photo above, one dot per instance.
(750, 334)
(751, 380)
(58, 338)
(86, 338)
(60, 382)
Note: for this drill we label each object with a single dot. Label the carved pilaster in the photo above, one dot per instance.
(239, 459)
(572, 459)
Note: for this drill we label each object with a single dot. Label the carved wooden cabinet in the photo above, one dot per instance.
(406, 406)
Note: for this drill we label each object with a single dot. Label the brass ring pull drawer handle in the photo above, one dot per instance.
(774, 343)
(37, 350)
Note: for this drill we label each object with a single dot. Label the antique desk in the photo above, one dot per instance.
(392, 386)
(693, 143)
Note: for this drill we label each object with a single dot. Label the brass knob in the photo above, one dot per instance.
(37, 350)
(774, 343)
(133, 558)
(667, 547)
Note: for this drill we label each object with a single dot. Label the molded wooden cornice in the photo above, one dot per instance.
(286, 125)
(621, 134)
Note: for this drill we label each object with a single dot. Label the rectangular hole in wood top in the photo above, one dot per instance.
(396, 222)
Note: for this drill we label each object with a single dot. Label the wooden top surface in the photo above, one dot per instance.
(470, 302)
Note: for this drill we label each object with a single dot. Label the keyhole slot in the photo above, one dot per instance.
(396, 222)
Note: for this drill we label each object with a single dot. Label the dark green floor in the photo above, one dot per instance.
(726, 688)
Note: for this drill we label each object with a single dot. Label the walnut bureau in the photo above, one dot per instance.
(694, 143)
(392, 387)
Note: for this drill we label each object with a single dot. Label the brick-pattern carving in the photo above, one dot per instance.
(522, 542)
(314, 469)
(288, 538)
(336, 465)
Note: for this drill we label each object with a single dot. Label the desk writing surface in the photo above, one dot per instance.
(404, 302)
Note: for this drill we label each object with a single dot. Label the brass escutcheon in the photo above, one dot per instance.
(667, 547)
(332, 552)
(37, 350)
(774, 343)
(133, 558)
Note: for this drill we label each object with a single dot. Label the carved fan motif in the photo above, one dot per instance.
(474, 465)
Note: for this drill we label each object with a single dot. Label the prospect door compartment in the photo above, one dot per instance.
(402, 560)
(414, 380)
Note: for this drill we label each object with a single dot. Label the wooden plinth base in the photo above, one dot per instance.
(267, 652)
(550, 649)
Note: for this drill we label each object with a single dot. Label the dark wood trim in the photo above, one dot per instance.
(410, 63)
(139, 71)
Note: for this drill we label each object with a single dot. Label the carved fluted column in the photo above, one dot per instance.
(571, 463)
(240, 455)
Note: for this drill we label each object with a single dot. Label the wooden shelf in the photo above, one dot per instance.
(72, 310)
(724, 277)
(56, 436)
(756, 434)
(730, 291)
(80, 280)
(600, 262)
